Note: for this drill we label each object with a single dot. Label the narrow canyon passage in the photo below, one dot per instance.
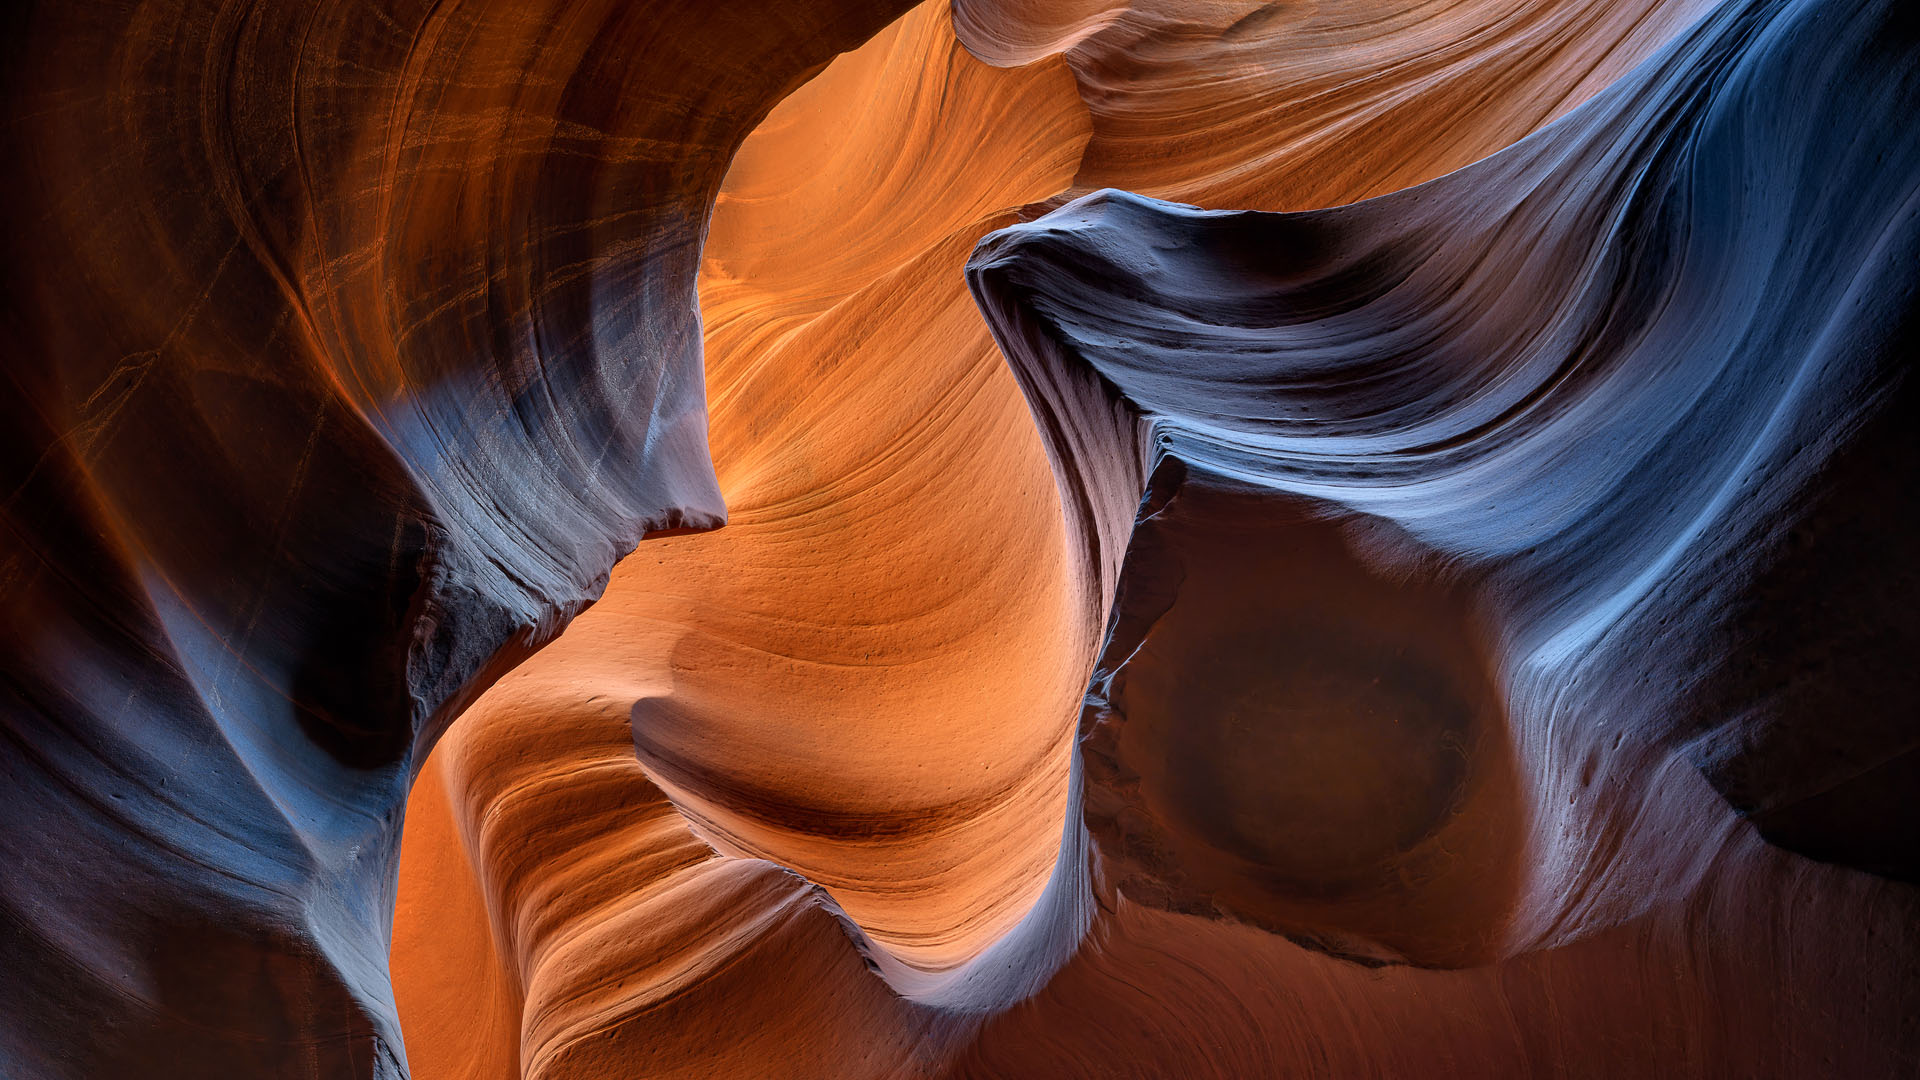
(870, 675)
(1195, 539)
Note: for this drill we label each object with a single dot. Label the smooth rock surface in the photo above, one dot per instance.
(350, 345)
(1443, 609)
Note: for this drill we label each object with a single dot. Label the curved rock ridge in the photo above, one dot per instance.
(1331, 465)
(845, 681)
(1296, 106)
(351, 345)
(1492, 564)
(826, 257)
(1461, 633)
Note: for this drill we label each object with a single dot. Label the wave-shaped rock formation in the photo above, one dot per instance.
(350, 344)
(1323, 539)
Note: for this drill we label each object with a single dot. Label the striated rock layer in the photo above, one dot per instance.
(1293, 106)
(1457, 560)
(350, 345)
(1457, 633)
(844, 681)
(1484, 604)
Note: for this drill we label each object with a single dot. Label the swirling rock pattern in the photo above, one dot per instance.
(1458, 633)
(351, 345)
(1526, 475)
(775, 675)
(1293, 106)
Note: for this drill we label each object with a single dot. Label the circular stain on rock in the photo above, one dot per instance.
(1317, 754)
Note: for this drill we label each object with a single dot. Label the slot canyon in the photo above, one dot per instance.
(1031, 539)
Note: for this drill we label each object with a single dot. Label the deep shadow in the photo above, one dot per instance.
(1301, 731)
